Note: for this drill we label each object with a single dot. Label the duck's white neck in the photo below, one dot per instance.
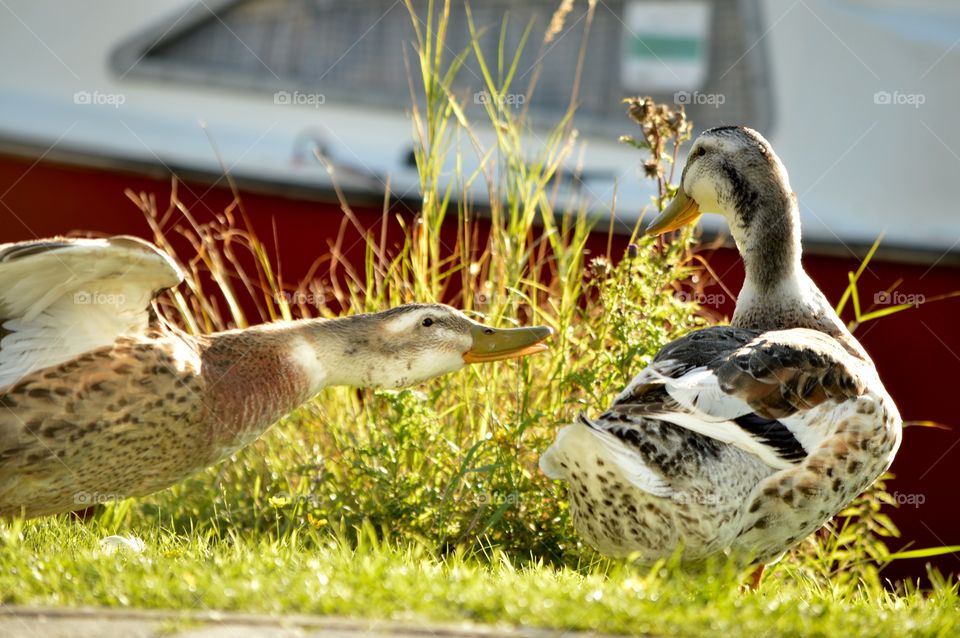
(356, 351)
(766, 228)
(257, 375)
(777, 293)
(345, 351)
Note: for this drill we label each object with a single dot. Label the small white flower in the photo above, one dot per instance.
(132, 544)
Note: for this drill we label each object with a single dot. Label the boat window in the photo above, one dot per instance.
(707, 55)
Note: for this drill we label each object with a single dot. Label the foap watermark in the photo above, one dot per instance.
(494, 499)
(299, 98)
(686, 98)
(712, 299)
(896, 98)
(301, 298)
(514, 100)
(88, 499)
(913, 500)
(897, 298)
(116, 100)
(687, 498)
(85, 298)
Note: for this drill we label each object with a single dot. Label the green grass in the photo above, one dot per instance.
(313, 572)
(428, 503)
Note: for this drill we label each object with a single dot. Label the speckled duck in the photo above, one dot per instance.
(739, 439)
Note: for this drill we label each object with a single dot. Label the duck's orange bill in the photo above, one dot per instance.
(681, 211)
(494, 344)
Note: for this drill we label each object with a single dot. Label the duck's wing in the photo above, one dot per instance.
(60, 298)
(776, 395)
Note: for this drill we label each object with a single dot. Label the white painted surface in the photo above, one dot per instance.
(859, 168)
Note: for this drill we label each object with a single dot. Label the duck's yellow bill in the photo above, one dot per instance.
(495, 344)
(681, 211)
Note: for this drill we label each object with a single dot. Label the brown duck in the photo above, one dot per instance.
(100, 400)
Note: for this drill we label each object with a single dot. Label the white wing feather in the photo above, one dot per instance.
(574, 441)
(709, 410)
(61, 298)
(631, 465)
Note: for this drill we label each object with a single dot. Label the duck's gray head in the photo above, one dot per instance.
(732, 171)
(411, 343)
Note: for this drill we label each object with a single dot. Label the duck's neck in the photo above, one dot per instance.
(777, 294)
(253, 377)
(766, 228)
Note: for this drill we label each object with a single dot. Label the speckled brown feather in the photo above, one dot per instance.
(139, 416)
(777, 373)
(778, 378)
(114, 422)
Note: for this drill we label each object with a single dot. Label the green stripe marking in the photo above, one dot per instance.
(666, 46)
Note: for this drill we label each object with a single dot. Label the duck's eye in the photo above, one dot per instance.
(426, 323)
(701, 152)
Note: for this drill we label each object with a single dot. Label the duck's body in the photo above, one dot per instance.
(99, 401)
(740, 439)
(731, 440)
(135, 417)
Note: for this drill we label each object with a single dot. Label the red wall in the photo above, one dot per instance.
(917, 352)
